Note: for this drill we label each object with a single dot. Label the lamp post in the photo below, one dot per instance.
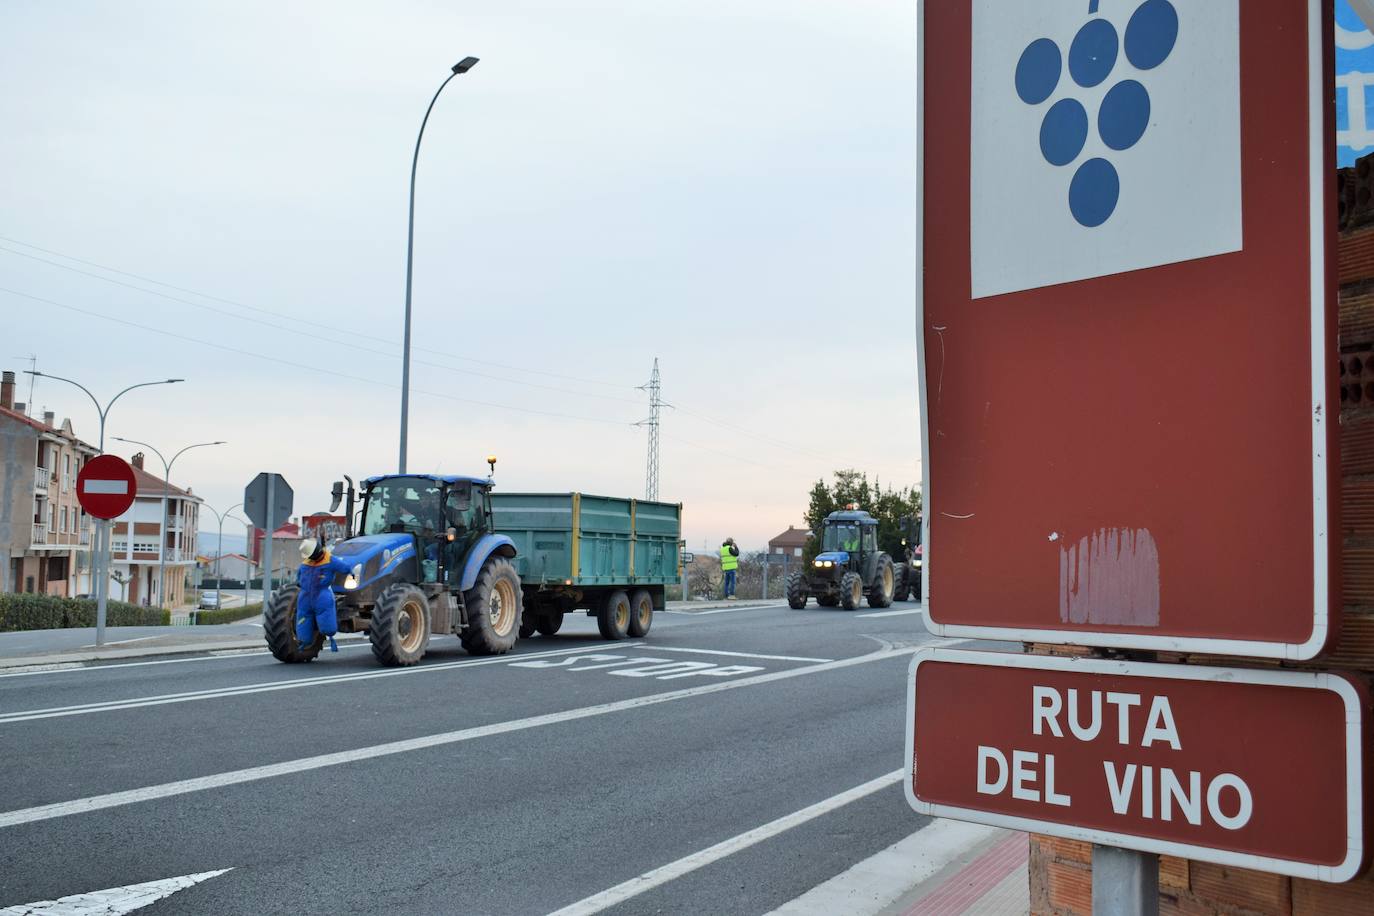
(102, 527)
(219, 547)
(162, 527)
(463, 66)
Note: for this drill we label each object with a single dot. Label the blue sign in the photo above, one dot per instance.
(1354, 82)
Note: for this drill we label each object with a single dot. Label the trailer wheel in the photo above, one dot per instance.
(641, 613)
(851, 590)
(549, 624)
(526, 629)
(399, 631)
(496, 609)
(613, 620)
(279, 626)
(796, 591)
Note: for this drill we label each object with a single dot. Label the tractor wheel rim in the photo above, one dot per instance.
(408, 626)
(501, 608)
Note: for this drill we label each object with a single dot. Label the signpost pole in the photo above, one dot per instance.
(102, 577)
(766, 559)
(268, 529)
(1125, 882)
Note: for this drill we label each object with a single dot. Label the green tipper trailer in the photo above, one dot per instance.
(610, 557)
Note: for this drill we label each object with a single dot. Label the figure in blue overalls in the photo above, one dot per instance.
(315, 606)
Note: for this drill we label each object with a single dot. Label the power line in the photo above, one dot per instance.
(311, 324)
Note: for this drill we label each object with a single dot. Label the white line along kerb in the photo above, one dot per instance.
(105, 487)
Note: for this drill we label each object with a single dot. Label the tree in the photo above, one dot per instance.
(889, 506)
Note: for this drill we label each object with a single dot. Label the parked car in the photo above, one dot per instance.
(209, 600)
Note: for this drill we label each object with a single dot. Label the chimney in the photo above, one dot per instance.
(7, 390)
(137, 461)
(49, 418)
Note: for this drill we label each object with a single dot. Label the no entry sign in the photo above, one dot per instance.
(105, 487)
(1132, 755)
(1127, 325)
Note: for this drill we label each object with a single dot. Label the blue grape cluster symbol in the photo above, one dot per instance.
(1124, 113)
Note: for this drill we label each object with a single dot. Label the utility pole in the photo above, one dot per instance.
(655, 406)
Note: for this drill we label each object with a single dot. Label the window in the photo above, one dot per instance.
(66, 473)
(796, 552)
(63, 529)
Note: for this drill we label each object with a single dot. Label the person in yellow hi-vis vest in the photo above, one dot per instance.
(729, 563)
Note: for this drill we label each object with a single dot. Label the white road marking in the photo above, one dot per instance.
(674, 870)
(889, 614)
(120, 642)
(877, 882)
(113, 902)
(779, 658)
(306, 764)
(731, 610)
(215, 693)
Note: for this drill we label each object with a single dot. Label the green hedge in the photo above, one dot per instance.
(48, 612)
(227, 615)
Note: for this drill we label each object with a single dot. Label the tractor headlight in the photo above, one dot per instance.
(916, 563)
(351, 580)
(819, 563)
(822, 564)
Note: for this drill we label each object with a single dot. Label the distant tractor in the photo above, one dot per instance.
(910, 566)
(849, 568)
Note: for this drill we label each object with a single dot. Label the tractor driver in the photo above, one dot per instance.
(850, 544)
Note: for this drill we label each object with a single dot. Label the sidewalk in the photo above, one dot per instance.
(76, 646)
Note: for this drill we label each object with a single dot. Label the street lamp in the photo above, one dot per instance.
(220, 517)
(162, 528)
(102, 527)
(463, 66)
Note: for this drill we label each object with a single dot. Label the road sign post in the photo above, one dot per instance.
(105, 488)
(267, 501)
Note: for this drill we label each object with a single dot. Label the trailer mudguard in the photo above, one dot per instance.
(489, 544)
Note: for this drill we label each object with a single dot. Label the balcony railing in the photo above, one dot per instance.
(85, 539)
(41, 476)
(40, 534)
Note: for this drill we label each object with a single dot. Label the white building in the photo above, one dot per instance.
(136, 535)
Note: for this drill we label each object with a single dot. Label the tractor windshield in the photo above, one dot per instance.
(841, 537)
(403, 504)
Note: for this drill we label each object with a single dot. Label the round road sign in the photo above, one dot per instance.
(106, 486)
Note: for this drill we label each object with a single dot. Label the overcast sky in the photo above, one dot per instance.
(727, 185)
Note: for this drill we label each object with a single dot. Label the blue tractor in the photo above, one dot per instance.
(424, 561)
(849, 568)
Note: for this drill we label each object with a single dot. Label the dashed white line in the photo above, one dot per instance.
(890, 613)
(779, 658)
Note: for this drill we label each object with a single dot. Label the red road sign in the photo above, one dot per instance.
(1130, 754)
(1128, 323)
(106, 487)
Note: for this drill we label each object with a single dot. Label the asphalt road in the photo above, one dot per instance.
(522, 784)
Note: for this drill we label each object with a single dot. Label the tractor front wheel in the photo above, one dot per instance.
(851, 590)
(829, 599)
(279, 626)
(399, 631)
(496, 609)
(796, 591)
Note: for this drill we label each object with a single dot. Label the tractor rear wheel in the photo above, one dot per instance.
(399, 631)
(901, 583)
(881, 588)
(496, 609)
(613, 620)
(549, 624)
(279, 626)
(851, 590)
(641, 613)
(796, 591)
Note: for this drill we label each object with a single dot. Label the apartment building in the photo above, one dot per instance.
(136, 535)
(45, 536)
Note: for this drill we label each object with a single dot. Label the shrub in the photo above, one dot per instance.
(227, 615)
(49, 612)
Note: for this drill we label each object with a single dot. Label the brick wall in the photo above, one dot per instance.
(1061, 870)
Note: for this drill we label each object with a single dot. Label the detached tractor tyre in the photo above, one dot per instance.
(828, 600)
(881, 589)
(901, 581)
(641, 613)
(549, 624)
(496, 609)
(796, 591)
(279, 626)
(613, 620)
(399, 631)
(851, 590)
